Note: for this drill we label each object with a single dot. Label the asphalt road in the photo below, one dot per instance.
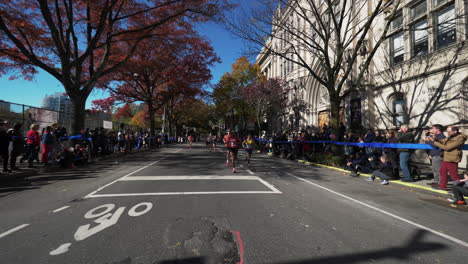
(181, 205)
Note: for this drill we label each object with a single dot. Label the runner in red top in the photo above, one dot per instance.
(190, 140)
(233, 147)
(225, 141)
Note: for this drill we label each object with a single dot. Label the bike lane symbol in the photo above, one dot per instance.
(105, 219)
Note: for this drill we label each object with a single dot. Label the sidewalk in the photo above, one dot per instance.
(420, 185)
(25, 172)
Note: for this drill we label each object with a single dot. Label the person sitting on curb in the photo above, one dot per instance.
(383, 170)
(461, 189)
(357, 164)
(453, 152)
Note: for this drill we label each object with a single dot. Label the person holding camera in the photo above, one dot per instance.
(453, 152)
(435, 155)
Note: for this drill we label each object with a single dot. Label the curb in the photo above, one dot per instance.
(412, 185)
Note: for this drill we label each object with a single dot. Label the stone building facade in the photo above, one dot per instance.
(418, 76)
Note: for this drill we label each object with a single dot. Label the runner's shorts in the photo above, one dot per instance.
(233, 150)
(248, 151)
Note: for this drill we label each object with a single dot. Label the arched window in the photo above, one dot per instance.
(399, 109)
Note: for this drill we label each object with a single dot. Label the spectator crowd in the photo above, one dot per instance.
(385, 163)
(53, 145)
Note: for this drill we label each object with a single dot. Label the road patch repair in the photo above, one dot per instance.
(185, 185)
(189, 238)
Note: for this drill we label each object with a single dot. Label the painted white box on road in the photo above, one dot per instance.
(272, 189)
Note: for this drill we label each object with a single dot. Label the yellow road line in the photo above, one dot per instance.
(393, 181)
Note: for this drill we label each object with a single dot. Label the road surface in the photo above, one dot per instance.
(181, 205)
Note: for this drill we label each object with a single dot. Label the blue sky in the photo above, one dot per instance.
(31, 93)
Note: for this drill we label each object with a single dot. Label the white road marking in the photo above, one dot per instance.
(207, 177)
(60, 209)
(131, 173)
(91, 213)
(182, 177)
(453, 239)
(134, 213)
(104, 222)
(180, 193)
(269, 186)
(13, 230)
(249, 171)
(60, 250)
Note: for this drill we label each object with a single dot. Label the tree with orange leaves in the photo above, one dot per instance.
(163, 73)
(79, 42)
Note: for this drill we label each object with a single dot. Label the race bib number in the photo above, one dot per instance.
(233, 143)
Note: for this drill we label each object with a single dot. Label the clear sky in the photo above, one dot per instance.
(31, 93)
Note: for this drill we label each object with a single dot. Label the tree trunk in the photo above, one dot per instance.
(79, 105)
(335, 114)
(152, 122)
(169, 127)
(335, 102)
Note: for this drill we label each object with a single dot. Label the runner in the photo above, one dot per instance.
(225, 141)
(248, 146)
(190, 140)
(208, 142)
(214, 140)
(233, 147)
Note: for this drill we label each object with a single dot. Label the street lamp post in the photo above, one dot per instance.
(219, 130)
(187, 129)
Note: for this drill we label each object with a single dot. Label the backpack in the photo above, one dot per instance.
(47, 138)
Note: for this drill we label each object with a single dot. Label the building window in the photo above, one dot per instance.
(399, 113)
(437, 3)
(419, 9)
(420, 38)
(464, 98)
(446, 27)
(397, 48)
(292, 62)
(397, 22)
(466, 18)
(281, 69)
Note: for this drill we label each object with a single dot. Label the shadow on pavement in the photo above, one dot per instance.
(184, 261)
(14, 185)
(403, 254)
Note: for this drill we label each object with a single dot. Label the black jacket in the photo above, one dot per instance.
(385, 168)
(5, 139)
(407, 137)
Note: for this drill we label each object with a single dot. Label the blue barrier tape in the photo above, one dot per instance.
(356, 144)
(81, 137)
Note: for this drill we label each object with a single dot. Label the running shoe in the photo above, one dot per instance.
(384, 182)
(370, 179)
(234, 170)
